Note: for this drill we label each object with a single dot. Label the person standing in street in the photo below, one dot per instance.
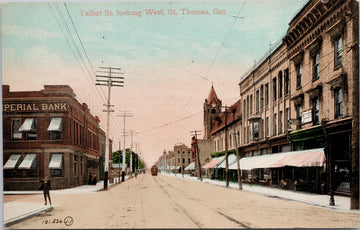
(45, 186)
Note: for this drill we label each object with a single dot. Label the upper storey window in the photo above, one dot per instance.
(338, 51)
(298, 75)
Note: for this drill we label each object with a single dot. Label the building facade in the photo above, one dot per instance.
(48, 134)
(302, 96)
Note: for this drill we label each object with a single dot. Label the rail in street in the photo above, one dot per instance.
(168, 202)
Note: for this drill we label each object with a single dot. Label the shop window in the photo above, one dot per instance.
(56, 165)
(338, 96)
(315, 65)
(286, 82)
(28, 166)
(280, 84)
(266, 94)
(15, 126)
(316, 111)
(338, 51)
(274, 88)
(298, 68)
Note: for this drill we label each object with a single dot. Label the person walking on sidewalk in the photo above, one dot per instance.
(45, 186)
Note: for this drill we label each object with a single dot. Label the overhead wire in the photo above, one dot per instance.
(83, 66)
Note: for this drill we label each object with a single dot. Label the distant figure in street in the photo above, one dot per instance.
(93, 179)
(123, 176)
(136, 172)
(90, 179)
(45, 186)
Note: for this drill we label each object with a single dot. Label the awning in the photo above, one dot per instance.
(55, 124)
(13, 160)
(191, 166)
(213, 162)
(231, 161)
(26, 126)
(28, 161)
(56, 161)
(305, 158)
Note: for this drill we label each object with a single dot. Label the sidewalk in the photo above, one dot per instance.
(342, 203)
(16, 211)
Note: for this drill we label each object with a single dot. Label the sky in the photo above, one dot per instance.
(169, 61)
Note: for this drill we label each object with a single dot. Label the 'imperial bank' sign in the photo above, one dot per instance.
(34, 107)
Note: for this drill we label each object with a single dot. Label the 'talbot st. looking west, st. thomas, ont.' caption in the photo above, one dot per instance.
(151, 12)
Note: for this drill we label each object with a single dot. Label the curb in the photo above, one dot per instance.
(26, 216)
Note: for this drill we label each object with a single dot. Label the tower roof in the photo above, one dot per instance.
(212, 98)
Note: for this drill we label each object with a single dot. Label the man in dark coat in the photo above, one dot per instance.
(45, 186)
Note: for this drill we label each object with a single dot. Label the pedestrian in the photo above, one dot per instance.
(93, 179)
(90, 178)
(45, 186)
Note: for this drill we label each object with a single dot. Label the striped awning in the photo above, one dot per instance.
(28, 162)
(13, 160)
(231, 160)
(55, 124)
(305, 158)
(191, 166)
(27, 125)
(213, 163)
(56, 161)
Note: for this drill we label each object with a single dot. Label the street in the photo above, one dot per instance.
(167, 202)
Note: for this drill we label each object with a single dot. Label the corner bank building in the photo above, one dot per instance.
(48, 134)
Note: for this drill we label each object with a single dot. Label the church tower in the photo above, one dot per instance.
(212, 109)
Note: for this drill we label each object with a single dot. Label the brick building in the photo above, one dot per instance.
(49, 134)
(304, 96)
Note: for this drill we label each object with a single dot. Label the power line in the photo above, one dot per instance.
(180, 119)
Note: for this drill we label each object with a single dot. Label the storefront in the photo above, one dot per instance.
(288, 170)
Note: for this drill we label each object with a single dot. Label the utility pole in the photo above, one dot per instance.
(108, 81)
(124, 114)
(131, 147)
(226, 149)
(238, 159)
(197, 153)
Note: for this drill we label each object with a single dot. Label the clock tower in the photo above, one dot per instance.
(212, 109)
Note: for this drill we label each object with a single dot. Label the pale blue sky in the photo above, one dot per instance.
(167, 60)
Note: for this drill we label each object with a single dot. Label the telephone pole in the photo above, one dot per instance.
(124, 114)
(131, 147)
(226, 149)
(197, 153)
(110, 80)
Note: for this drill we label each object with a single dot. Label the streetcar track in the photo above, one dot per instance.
(241, 223)
(196, 222)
